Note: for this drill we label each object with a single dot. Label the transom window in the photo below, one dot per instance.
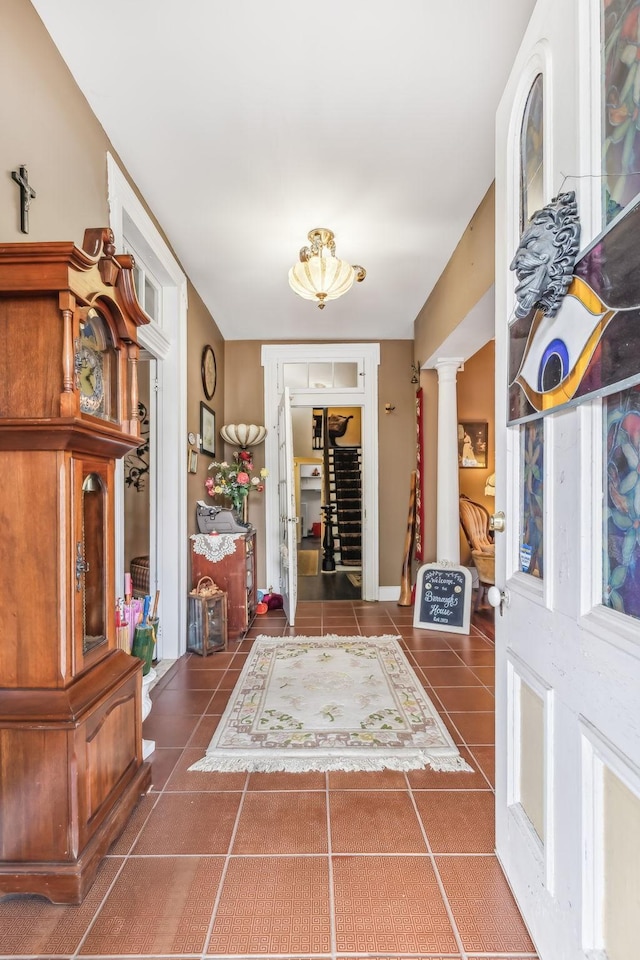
(328, 375)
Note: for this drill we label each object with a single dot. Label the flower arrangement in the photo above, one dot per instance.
(235, 480)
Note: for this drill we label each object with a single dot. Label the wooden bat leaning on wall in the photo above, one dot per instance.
(409, 540)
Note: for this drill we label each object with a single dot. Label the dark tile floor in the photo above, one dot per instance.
(339, 865)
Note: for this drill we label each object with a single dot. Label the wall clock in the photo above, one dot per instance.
(90, 380)
(96, 367)
(209, 371)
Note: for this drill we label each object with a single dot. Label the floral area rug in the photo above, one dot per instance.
(329, 703)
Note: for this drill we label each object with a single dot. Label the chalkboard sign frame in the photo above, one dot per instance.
(423, 617)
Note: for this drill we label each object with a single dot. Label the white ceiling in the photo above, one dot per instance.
(245, 123)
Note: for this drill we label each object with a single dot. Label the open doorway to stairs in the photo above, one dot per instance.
(324, 377)
(327, 450)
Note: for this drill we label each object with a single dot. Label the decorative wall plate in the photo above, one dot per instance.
(209, 371)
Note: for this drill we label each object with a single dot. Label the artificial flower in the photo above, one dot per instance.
(233, 481)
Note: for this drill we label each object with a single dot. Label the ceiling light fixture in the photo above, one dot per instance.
(320, 275)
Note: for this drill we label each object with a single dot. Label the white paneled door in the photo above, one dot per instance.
(567, 659)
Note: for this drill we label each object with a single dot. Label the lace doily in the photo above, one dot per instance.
(215, 546)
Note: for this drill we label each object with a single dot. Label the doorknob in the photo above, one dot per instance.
(499, 598)
(497, 522)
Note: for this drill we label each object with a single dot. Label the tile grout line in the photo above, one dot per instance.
(445, 899)
(332, 900)
(227, 859)
(99, 907)
(125, 860)
(454, 925)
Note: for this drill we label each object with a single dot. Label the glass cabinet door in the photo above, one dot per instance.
(91, 545)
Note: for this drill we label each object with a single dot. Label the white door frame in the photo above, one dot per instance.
(167, 341)
(287, 511)
(365, 396)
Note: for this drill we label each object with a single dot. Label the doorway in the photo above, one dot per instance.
(327, 452)
(162, 290)
(324, 375)
(140, 492)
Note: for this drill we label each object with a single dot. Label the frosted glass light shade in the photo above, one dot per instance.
(243, 434)
(321, 278)
(320, 275)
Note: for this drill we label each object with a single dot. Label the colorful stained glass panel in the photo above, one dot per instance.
(531, 155)
(620, 104)
(621, 534)
(532, 498)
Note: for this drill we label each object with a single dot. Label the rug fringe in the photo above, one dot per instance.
(450, 764)
(326, 636)
(327, 764)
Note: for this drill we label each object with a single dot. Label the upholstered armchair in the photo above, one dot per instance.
(474, 519)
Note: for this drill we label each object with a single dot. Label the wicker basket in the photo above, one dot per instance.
(206, 587)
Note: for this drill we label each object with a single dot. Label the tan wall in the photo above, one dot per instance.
(244, 402)
(476, 394)
(397, 453)
(201, 331)
(464, 281)
(48, 126)
(302, 426)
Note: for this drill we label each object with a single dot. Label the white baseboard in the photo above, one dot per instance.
(388, 593)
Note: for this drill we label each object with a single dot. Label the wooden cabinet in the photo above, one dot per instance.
(71, 767)
(234, 572)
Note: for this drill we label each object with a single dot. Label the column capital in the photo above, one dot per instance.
(451, 364)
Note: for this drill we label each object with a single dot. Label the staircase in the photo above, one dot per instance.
(345, 492)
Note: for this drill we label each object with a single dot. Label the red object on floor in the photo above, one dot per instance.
(316, 529)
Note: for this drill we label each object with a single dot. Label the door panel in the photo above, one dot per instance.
(567, 667)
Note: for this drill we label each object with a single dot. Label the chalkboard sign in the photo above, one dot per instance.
(443, 598)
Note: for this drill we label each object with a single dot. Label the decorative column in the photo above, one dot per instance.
(447, 532)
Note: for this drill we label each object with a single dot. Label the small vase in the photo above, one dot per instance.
(241, 510)
(144, 641)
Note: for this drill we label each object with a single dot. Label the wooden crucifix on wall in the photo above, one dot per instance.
(27, 194)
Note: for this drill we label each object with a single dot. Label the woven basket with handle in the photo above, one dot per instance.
(206, 587)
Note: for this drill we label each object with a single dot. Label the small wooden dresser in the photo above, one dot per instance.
(230, 561)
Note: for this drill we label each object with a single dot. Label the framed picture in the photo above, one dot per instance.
(207, 430)
(208, 371)
(472, 443)
(193, 461)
